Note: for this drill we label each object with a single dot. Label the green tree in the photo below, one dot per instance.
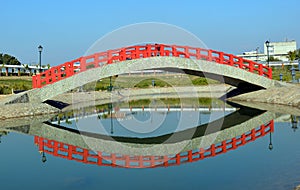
(298, 54)
(292, 55)
(6, 59)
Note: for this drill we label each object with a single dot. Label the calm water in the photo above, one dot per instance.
(250, 166)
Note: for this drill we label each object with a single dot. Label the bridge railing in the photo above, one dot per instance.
(86, 156)
(101, 59)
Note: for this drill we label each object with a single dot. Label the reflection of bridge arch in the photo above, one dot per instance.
(86, 156)
(209, 63)
(242, 122)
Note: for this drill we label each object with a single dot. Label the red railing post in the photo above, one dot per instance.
(209, 55)
(270, 73)
(161, 49)
(41, 144)
(234, 143)
(186, 51)
(198, 53)
(178, 158)
(122, 54)
(109, 56)
(231, 60)
(241, 62)
(174, 51)
(251, 65)
(34, 84)
(166, 161)
(260, 69)
(221, 57)
(213, 150)
(99, 161)
(82, 64)
(148, 50)
(38, 80)
(224, 147)
(136, 52)
(190, 156)
(271, 126)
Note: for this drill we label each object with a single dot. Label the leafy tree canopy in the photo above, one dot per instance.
(6, 59)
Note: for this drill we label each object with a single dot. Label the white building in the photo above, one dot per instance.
(280, 50)
(277, 50)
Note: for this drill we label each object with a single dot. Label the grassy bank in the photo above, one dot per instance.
(7, 84)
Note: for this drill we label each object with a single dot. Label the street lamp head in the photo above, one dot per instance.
(40, 48)
(44, 159)
(270, 146)
(267, 43)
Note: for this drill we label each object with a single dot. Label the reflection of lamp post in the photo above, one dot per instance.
(111, 120)
(40, 48)
(270, 144)
(110, 85)
(268, 57)
(294, 123)
(44, 157)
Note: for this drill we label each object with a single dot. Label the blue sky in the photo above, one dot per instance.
(66, 29)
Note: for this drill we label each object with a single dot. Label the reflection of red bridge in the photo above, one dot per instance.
(86, 156)
(68, 69)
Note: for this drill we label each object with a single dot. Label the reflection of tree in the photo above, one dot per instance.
(67, 121)
(3, 133)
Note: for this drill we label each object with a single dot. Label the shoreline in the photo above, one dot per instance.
(85, 99)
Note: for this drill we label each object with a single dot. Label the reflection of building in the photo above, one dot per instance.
(278, 50)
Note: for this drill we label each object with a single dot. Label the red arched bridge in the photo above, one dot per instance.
(86, 156)
(246, 75)
(102, 59)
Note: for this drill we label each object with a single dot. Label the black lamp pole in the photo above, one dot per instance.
(40, 48)
(270, 144)
(268, 56)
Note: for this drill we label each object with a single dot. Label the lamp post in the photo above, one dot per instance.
(268, 57)
(270, 144)
(293, 72)
(40, 48)
(44, 159)
(294, 122)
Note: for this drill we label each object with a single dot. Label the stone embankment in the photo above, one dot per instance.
(277, 98)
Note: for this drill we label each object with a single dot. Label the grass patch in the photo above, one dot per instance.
(7, 84)
(286, 73)
(145, 81)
